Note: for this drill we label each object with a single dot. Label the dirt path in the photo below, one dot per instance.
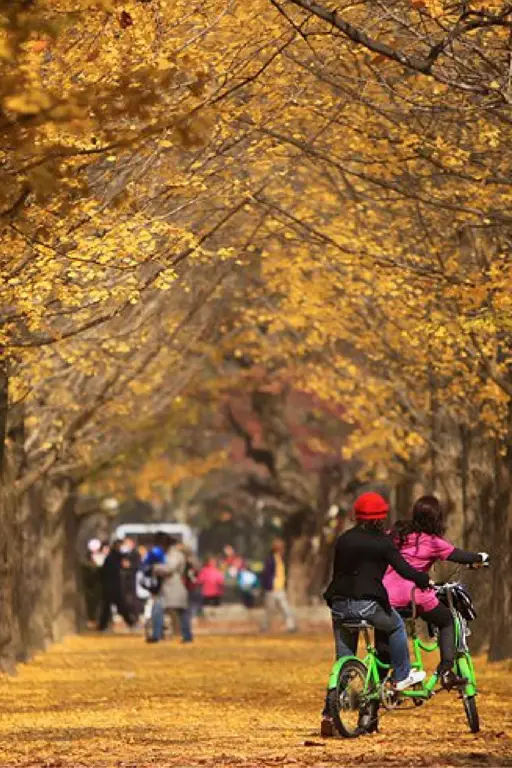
(244, 701)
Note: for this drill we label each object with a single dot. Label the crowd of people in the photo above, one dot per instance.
(148, 584)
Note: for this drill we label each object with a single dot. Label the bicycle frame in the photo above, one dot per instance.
(374, 666)
(374, 681)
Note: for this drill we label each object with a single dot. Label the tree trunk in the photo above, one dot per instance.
(4, 404)
(300, 561)
(32, 577)
(46, 578)
(299, 532)
(501, 553)
(38, 586)
(8, 543)
(64, 569)
(8, 630)
(403, 498)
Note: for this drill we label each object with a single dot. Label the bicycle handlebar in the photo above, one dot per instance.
(448, 584)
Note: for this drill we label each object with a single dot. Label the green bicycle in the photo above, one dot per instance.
(359, 687)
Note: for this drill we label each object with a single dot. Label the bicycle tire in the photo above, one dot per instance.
(350, 670)
(471, 711)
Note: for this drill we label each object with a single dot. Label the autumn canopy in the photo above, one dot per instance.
(281, 225)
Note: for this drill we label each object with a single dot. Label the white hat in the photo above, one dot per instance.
(94, 545)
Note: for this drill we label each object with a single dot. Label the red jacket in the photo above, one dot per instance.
(211, 580)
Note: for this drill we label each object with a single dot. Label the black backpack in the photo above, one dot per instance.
(150, 580)
(462, 602)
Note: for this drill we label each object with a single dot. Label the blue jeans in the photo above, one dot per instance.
(390, 633)
(157, 621)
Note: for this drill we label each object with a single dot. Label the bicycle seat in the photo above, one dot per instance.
(356, 624)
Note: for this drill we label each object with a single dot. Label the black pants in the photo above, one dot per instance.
(107, 600)
(215, 601)
(247, 598)
(441, 617)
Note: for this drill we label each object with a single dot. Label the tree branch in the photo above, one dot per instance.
(258, 455)
(361, 38)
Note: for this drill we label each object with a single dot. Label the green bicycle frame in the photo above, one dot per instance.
(463, 663)
(335, 671)
(372, 664)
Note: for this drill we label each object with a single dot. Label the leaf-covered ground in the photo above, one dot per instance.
(245, 701)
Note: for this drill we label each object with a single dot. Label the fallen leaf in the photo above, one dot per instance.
(125, 20)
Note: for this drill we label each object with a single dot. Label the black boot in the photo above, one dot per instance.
(327, 730)
(450, 680)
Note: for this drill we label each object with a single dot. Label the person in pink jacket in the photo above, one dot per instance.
(211, 581)
(421, 544)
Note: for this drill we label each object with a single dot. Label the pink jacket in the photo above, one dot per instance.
(211, 580)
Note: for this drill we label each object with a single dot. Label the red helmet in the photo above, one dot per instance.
(371, 506)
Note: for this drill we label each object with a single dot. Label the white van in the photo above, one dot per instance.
(144, 532)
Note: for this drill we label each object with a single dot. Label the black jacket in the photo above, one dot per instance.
(110, 574)
(360, 561)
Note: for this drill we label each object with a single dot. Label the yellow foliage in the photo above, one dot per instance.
(233, 191)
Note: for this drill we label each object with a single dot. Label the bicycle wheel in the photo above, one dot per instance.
(348, 700)
(464, 667)
(471, 713)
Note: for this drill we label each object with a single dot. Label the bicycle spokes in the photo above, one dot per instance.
(351, 698)
(388, 695)
(348, 701)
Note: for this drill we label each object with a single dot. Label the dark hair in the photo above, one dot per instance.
(427, 517)
(160, 539)
(377, 526)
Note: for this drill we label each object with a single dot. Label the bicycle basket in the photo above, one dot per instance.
(463, 603)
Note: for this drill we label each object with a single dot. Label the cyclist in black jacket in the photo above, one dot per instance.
(356, 591)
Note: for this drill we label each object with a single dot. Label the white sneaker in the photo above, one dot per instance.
(415, 676)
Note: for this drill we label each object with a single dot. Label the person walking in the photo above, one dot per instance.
(151, 583)
(211, 581)
(111, 589)
(130, 564)
(273, 581)
(192, 568)
(173, 596)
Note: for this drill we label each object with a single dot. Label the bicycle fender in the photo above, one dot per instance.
(335, 672)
